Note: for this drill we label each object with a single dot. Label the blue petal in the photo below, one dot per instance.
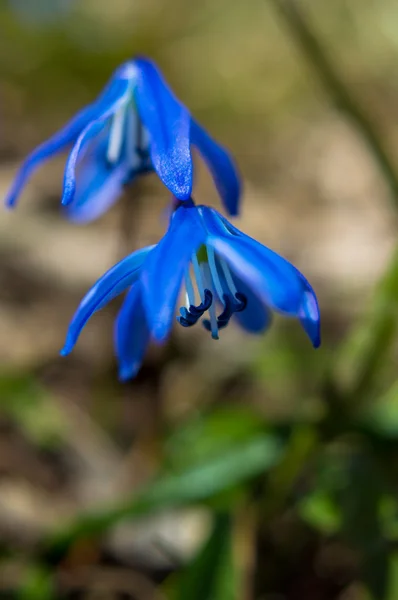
(57, 143)
(116, 92)
(221, 165)
(216, 224)
(120, 89)
(98, 184)
(92, 130)
(64, 137)
(256, 317)
(168, 123)
(270, 276)
(163, 271)
(309, 313)
(131, 334)
(114, 282)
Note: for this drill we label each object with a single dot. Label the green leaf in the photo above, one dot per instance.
(210, 434)
(213, 574)
(198, 483)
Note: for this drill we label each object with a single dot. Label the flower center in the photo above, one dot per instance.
(127, 135)
(215, 285)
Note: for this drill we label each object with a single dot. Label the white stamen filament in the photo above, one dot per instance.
(207, 278)
(214, 273)
(190, 293)
(116, 135)
(198, 277)
(228, 277)
(145, 138)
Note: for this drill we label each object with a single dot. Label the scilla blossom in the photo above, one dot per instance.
(225, 275)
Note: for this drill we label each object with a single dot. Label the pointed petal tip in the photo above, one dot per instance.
(178, 180)
(127, 372)
(316, 342)
(67, 198)
(159, 333)
(13, 194)
(182, 193)
(9, 203)
(234, 212)
(312, 329)
(65, 350)
(69, 344)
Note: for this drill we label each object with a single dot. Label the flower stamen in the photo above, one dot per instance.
(191, 315)
(207, 278)
(198, 276)
(213, 272)
(116, 135)
(228, 277)
(189, 289)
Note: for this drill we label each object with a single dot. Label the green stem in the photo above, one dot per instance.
(322, 64)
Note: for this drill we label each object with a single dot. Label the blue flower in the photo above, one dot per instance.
(135, 125)
(225, 274)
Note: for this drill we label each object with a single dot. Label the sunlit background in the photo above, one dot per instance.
(243, 469)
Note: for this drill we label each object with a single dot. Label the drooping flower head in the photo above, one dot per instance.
(135, 125)
(225, 275)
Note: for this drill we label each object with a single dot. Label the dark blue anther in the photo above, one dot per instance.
(143, 154)
(231, 306)
(191, 316)
(242, 302)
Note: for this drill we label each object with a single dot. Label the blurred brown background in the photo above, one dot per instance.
(71, 436)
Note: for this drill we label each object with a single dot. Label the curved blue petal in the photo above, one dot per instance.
(114, 282)
(216, 224)
(87, 134)
(57, 143)
(269, 275)
(168, 124)
(164, 269)
(120, 89)
(221, 165)
(256, 317)
(98, 184)
(131, 334)
(98, 188)
(274, 279)
(308, 309)
(309, 313)
(116, 91)
(112, 95)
